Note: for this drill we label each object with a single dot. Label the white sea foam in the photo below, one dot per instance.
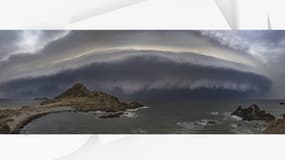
(189, 125)
(136, 109)
(214, 113)
(228, 116)
(138, 130)
(197, 125)
(130, 113)
(232, 125)
(99, 112)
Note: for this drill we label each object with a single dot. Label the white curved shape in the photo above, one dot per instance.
(159, 14)
(229, 9)
(43, 147)
(99, 7)
(53, 13)
(182, 147)
(276, 14)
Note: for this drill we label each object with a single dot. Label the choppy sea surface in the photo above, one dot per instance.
(197, 117)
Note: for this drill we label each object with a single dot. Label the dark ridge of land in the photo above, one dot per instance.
(77, 98)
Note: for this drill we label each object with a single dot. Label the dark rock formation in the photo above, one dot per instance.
(253, 112)
(210, 122)
(78, 90)
(82, 99)
(282, 103)
(134, 105)
(112, 115)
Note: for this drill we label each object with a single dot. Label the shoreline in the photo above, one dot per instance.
(77, 98)
(22, 116)
(17, 121)
(21, 125)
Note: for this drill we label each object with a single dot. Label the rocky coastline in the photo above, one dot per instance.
(273, 125)
(80, 99)
(253, 112)
(76, 99)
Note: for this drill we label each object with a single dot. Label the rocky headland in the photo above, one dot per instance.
(77, 99)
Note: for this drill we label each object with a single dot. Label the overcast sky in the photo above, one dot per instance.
(42, 63)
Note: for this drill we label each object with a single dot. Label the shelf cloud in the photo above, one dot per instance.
(133, 63)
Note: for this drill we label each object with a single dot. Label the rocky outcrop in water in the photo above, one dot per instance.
(253, 112)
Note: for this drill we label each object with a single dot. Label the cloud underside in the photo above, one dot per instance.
(145, 76)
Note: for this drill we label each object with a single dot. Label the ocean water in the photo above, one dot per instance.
(197, 117)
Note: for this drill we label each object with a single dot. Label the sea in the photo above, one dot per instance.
(190, 117)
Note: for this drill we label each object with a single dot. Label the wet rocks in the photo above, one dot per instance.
(211, 122)
(276, 126)
(253, 112)
(111, 115)
(134, 104)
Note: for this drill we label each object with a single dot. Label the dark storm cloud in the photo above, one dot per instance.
(41, 54)
(139, 75)
(266, 46)
(77, 45)
(8, 43)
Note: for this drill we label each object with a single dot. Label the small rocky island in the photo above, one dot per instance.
(77, 98)
(253, 112)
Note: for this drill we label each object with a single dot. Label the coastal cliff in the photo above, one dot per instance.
(77, 98)
(82, 99)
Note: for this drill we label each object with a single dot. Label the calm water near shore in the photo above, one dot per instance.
(184, 117)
